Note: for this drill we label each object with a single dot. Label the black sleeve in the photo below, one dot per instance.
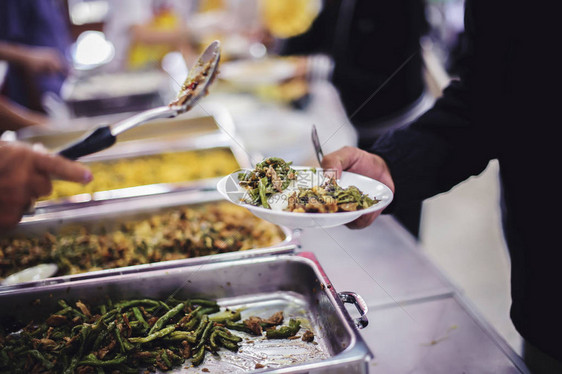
(441, 148)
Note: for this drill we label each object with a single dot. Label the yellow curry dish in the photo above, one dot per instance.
(171, 167)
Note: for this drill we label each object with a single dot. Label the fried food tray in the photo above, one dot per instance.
(111, 216)
(295, 284)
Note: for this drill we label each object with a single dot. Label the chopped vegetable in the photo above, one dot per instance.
(270, 176)
(274, 176)
(129, 335)
(329, 198)
(284, 332)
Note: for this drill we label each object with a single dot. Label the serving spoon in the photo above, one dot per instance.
(34, 273)
(195, 86)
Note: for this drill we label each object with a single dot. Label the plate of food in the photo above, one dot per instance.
(303, 197)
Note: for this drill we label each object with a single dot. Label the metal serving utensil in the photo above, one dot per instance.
(317, 146)
(34, 273)
(195, 86)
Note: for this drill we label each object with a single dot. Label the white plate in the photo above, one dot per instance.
(257, 72)
(231, 190)
(33, 273)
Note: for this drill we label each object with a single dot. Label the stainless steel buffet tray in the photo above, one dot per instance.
(135, 149)
(295, 284)
(182, 127)
(110, 214)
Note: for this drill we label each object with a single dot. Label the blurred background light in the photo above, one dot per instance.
(91, 50)
(87, 11)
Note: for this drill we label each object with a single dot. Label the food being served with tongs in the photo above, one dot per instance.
(274, 184)
(170, 235)
(130, 335)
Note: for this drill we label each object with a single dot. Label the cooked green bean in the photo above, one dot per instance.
(230, 315)
(189, 336)
(129, 304)
(138, 315)
(158, 334)
(92, 360)
(213, 340)
(46, 363)
(284, 332)
(165, 318)
(238, 327)
(205, 335)
(203, 302)
(227, 335)
(198, 356)
(165, 358)
(228, 344)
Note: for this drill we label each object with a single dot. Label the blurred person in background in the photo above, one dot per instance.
(25, 175)
(35, 40)
(14, 117)
(33, 60)
(501, 108)
(144, 31)
(378, 66)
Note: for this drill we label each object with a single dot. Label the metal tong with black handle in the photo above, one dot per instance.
(195, 86)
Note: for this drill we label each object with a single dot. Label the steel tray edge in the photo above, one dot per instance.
(354, 358)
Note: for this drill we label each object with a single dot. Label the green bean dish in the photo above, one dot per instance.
(273, 184)
(132, 335)
(329, 198)
(273, 175)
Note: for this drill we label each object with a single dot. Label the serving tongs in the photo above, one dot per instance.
(195, 86)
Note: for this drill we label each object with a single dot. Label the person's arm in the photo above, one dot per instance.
(148, 35)
(15, 117)
(25, 175)
(34, 59)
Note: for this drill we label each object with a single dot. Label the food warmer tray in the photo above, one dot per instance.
(187, 125)
(133, 149)
(294, 283)
(91, 95)
(111, 214)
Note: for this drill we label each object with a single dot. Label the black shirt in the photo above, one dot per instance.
(505, 106)
(370, 41)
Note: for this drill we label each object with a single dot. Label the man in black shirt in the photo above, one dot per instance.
(378, 66)
(505, 106)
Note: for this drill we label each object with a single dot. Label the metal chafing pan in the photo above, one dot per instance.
(208, 142)
(295, 284)
(109, 215)
(183, 126)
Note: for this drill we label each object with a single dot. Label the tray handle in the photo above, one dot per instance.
(353, 298)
